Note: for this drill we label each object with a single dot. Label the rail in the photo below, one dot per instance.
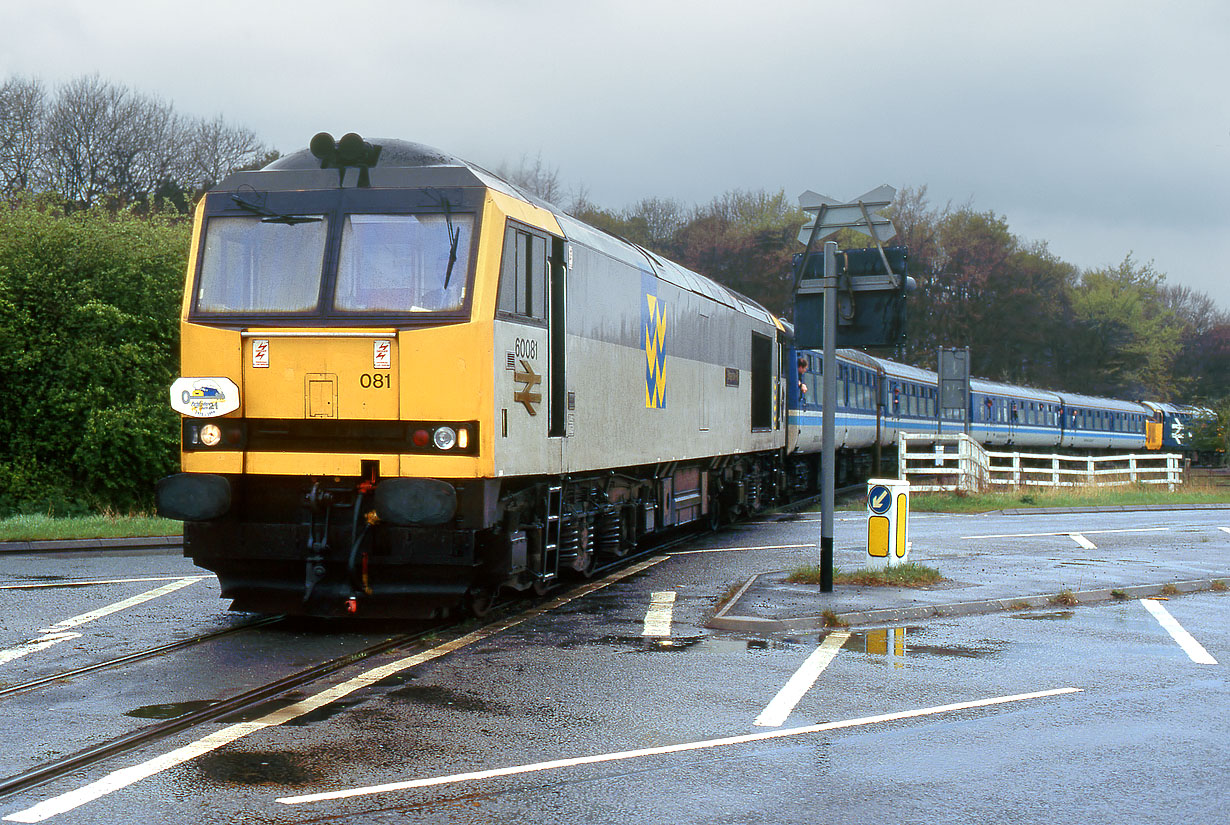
(934, 463)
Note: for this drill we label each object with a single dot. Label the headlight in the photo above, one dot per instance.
(445, 438)
(211, 435)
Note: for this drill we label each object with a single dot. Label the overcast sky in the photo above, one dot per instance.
(1102, 128)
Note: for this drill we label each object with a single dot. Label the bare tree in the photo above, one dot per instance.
(536, 178)
(149, 147)
(22, 109)
(663, 217)
(218, 148)
(83, 126)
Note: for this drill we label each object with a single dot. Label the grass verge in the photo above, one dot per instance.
(902, 575)
(46, 528)
(1197, 492)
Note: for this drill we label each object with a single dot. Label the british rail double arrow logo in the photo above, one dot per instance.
(526, 394)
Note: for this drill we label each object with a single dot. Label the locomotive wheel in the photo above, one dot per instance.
(479, 601)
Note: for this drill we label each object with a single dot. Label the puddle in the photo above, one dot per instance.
(1055, 616)
(262, 768)
(445, 698)
(327, 711)
(701, 643)
(900, 643)
(265, 708)
(172, 710)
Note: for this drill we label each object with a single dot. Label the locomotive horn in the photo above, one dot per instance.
(323, 147)
(353, 150)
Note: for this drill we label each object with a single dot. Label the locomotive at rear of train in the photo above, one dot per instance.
(407, 384)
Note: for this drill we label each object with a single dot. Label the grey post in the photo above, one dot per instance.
(828, 446)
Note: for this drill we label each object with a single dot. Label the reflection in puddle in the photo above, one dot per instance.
(173, 710)
(701, 643)
(899, 643)
(264, 768)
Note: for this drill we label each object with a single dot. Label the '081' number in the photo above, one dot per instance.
(379, 381)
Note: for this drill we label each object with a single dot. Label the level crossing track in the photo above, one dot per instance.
(254, 697)
(140, 655)
(226, 707)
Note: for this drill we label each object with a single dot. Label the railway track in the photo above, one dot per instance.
(138, 656)
(234, 704)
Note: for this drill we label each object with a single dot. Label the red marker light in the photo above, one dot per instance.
(421, 437)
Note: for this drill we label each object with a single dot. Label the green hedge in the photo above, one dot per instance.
(89, 340)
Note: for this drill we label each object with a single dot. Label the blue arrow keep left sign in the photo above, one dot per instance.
(879, 499)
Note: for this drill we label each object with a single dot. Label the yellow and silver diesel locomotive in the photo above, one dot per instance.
(406, 384)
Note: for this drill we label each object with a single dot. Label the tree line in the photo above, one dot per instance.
(90, 140)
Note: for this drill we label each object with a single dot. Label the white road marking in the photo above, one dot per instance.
(131, 775)
(776, 712)
(55, 634)
(1224, 529)
(70, 583)
(668, 749)
(140, 598)
(658, 617)
(1190, 646)
(34, 645)
(1082, 541)
(1069, 533)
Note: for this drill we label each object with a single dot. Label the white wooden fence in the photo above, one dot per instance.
(933, 462)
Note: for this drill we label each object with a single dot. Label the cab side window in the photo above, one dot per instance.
(523, 276)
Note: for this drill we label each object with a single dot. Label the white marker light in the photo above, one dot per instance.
(211, 435)
(445, 438)
(463, 438)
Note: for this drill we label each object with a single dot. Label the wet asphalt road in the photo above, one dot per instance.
(1145, 738)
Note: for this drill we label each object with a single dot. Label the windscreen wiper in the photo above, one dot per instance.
(271, 216)
(454, 234)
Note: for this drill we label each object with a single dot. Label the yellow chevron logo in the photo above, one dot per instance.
(655, 353)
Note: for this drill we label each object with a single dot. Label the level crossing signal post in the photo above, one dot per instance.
(855, 298)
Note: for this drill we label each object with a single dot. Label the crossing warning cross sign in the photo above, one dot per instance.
(855, 214)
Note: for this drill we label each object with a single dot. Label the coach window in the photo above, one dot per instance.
(523, 275)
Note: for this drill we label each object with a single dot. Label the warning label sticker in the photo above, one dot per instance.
(382, 355)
